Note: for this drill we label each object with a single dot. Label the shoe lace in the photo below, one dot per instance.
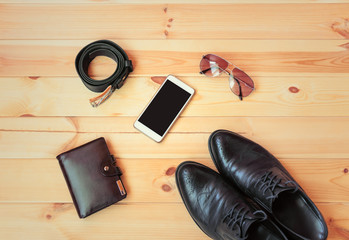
(270, 181)
(236, 217)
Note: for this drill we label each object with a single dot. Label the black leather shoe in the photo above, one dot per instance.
(262, 177)
(220, 210)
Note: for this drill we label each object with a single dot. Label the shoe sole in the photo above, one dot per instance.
(180, 193)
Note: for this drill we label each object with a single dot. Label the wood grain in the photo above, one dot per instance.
(296, 51)
(170, 1)
(23, 144)
(274, 127)
(289, 137)
(139, 221)
(153, 180)
(274, 96)
(167, 21)
(181, 57)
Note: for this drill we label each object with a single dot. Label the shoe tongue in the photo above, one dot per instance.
(269, 202)
(251, 218)
(279, 190)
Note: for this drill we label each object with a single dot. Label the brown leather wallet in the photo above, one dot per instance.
(92, 177)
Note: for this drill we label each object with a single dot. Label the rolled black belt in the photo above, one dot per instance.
(115, 81)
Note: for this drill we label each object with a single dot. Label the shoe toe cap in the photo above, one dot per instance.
(225, 145)
(191, 176)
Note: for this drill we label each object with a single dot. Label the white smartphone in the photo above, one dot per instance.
(164, 108)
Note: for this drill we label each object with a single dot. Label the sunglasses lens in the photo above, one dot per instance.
(212, 65)
(245, 82)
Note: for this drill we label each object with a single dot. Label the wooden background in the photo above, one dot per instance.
(297, 52)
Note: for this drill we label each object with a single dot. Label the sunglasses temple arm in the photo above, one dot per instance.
(204, 71)
(240, 93)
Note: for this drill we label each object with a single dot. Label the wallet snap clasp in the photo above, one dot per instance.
(109, 168)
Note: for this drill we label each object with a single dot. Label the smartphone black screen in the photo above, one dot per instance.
(164, 107)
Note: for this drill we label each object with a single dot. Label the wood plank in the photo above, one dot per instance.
(274, 96)
(293, 127)
(338, 229)
(295, 50)
(170, 1)
(162, 21)
(139, 221)
(22, 144)
(153, 180)
(180, 57)
(60, 221)
(307, 136)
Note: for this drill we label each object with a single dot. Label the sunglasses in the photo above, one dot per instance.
(239, 82)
